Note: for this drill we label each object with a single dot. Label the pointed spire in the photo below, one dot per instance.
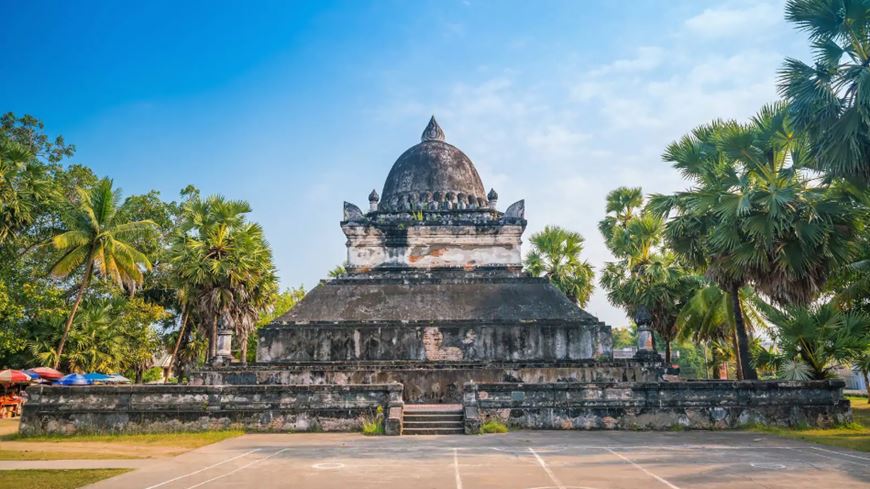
(373, 201)
(432, 132)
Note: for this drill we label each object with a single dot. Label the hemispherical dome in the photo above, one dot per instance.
(433, 171)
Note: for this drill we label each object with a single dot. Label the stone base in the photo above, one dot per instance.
(657, 405)
(431, 382)
(169, 408)
(567, 405)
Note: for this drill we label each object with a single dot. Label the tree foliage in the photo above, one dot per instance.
(555, 255)
(830, 99)
(223, 267)
(59, 216)
(95, 240)
(754, 215)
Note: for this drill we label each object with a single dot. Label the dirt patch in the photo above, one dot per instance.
(9, 426)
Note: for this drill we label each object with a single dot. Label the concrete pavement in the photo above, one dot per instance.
(519, 460)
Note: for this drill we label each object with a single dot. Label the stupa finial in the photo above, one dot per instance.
(433, 131)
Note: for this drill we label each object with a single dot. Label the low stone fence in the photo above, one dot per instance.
(164, 408)
(656, 405)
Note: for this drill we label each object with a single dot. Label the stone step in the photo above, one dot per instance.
(432, 424)
(438, 408)
(433, 417)
(433, 431)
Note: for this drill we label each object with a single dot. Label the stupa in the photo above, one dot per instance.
(434, 296)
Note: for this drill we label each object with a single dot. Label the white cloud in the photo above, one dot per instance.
(647, 58)
(746, 21)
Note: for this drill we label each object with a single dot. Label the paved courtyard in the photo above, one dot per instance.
(519, 460)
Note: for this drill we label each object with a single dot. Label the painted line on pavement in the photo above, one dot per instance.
(642, 469)
(549, 472)
(842, 460)
(202, 469)
(456, 468)
(841, 453)
(255, 462)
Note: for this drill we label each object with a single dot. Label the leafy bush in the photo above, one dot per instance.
(374, 425)
(493, 426)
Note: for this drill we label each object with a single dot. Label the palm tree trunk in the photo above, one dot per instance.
(168, 368)
(89, 269)
(212, 340)
(742, 337)
(866, 375)
(668, 353)
(243, 355)
(737, 366)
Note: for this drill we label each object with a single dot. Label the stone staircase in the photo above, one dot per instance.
(432, 419)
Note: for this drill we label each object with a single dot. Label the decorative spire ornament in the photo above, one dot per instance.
(433, 131)
(492, 197)
(373, 200)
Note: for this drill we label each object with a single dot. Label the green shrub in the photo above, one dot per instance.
(374, 425)
(493, 426)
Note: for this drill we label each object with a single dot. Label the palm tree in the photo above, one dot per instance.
(556, 256)
(820, 336)
(753, 215)
(339, 271)
(643, 275)
(708, 316)
(659, 283)
(622, 205)
(25, 188)
(223, 266)
(96, 241)
(829, 101)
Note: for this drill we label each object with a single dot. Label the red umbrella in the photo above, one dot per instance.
(13, 377)
(46, 373)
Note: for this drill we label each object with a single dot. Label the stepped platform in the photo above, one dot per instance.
(430, 382)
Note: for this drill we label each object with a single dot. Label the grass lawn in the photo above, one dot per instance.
(57, 447)
(855, 436)
(55, 479)
(181, 440)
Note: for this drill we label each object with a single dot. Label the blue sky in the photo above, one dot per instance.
(297, 106)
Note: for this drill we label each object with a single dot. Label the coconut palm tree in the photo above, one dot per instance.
(830, 101)
(556, 255)
(754, 215)
(96, 242)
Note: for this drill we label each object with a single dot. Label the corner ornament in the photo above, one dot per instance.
(517, 210)
(352, 213)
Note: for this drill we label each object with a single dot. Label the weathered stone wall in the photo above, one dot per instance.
(161, 408)
(657, 405)
(484, 341)
(415, 246)
(432, 382)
